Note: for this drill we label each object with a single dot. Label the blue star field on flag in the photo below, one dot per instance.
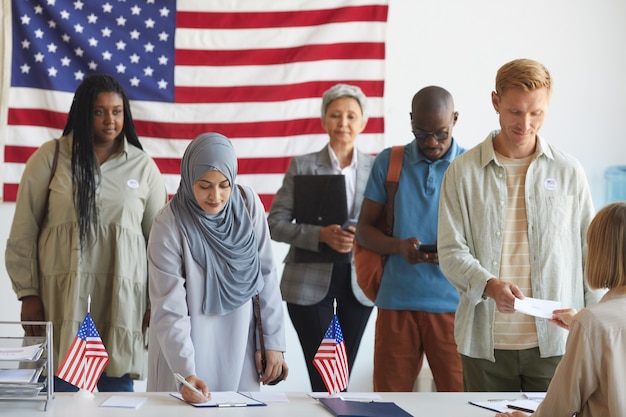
(69, 40)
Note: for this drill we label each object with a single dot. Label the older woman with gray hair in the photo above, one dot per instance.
(311, 288)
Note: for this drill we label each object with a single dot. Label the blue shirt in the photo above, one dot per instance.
(420, 287)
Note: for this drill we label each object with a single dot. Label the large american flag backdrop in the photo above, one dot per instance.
(253, 70)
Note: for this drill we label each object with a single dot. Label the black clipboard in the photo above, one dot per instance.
(345, 408)
(320, 200)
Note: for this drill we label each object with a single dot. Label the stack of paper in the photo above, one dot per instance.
(23, 353)
(18, 375)
(124, 401)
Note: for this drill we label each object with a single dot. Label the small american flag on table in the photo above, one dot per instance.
(331, 360)
(85, 359)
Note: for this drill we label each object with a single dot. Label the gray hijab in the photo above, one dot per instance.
(224, 244)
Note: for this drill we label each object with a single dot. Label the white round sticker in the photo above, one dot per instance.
(550, 184)
(133, 183)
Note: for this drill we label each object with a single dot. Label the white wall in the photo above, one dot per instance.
(459, 45)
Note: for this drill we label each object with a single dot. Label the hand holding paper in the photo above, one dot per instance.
(537, 307)
(563, 317)
(503, 293)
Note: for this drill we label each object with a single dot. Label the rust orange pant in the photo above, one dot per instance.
(402, 338)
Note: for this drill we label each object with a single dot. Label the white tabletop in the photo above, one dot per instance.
(299, 405)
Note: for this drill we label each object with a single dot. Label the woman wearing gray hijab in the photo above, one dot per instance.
(209, 254)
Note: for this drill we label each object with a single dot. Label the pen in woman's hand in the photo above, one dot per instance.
(183, 381)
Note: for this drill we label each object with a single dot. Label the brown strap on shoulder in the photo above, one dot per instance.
(391, 185)
(53, 170)
(243, 194)
(259, 324)
(395, 163)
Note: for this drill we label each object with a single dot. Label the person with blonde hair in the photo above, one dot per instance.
(513, 215)
(589, 380)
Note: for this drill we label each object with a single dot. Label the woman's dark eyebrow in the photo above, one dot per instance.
(209, 182)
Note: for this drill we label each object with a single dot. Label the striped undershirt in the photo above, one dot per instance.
(515, 331)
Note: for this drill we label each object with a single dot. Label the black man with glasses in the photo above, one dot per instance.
(416, 303)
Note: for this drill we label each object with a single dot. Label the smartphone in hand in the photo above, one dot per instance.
(430, 248)
(350, 222)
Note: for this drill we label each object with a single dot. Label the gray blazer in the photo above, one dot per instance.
(308, 283)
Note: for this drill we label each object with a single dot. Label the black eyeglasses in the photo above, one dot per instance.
(422, 135)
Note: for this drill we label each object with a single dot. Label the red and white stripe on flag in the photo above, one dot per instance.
(331, 360)
(85, 359)
(254, 70)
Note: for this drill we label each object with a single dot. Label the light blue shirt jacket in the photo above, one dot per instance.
(471, 226)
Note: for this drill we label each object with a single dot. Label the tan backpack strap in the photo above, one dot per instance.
(391, 185)
(395, 163)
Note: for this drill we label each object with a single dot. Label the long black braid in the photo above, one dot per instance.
(84, 161)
